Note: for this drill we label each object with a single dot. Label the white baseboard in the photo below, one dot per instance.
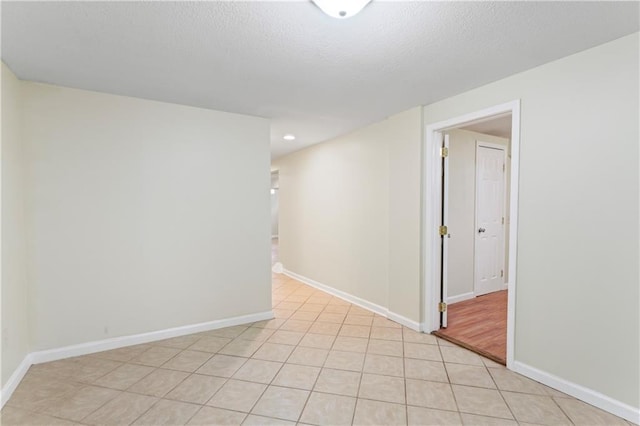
(460, 298)
(587, 395)
(137, 339)
(467, 296)
(409, 323)
(365, 304)
(15, 379)
(380, 310)
(48, 355)
(582, 393)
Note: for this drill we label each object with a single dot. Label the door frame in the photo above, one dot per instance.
(431, 214)
(504, 149)
(445, 238)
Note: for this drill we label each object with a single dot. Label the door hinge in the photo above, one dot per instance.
(501, 273)
(444, 152)
(503, 220)
(443, 231)
(442, 307)
(503, 167)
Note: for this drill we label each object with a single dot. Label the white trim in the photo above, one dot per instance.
(119, 342)
(15, 379)
(445, 221)
(409, 323)
(514, 180)
(431, 202)
(377, 309)
(365, 304)
(460, 298)
(137, 339)
(274, 236)
(587, 395)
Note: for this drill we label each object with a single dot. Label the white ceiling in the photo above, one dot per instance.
(314, 76)
(499, 126)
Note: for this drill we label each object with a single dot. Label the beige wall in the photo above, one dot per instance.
(462, 209)
(350, 214)
(15, 330)
(405, 209)
(336, 210)
(142, 215)
(577, 272)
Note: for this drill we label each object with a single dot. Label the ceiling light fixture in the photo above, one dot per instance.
(289, 138)
(341, 9)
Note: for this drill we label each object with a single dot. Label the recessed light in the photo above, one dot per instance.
(341, 9)
(289, 137)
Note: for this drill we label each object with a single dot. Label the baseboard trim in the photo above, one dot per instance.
(137, 339)
(582, 393)
(48, 355)
(14, 380)
(380, 310)
(460, 298)
(409, 323)
(365, 304)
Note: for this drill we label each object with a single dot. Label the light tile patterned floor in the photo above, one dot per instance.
(320, 361)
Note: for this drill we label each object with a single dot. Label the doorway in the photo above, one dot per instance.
(469, 235)
(475, 191)
(275, 217)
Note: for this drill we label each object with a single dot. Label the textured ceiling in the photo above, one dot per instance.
(314, 76)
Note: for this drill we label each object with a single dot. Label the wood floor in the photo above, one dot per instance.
(480, 324)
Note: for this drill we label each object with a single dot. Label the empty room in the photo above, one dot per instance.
(320, 212)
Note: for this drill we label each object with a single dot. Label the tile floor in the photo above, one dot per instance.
(321, 361)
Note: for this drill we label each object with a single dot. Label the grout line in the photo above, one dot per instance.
(444, 365)
(508, 406)
(561, 409)
(404, 378)
(500, 393)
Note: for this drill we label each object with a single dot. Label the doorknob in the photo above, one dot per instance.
(481, 230)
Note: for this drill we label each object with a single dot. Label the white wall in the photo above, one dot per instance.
(141, 215)
(335, 213)
(15, 330)
(462, 208)
(577, 274)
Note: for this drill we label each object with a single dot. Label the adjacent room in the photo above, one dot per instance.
(475, 247)
(314, 212)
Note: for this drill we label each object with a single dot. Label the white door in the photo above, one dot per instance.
(490, 208)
